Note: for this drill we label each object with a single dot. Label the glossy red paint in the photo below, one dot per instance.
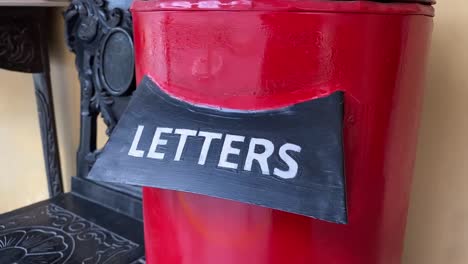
(275, 53)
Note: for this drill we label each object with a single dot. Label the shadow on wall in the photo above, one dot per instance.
(437, 230)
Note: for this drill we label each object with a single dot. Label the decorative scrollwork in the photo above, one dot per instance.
(110, 245)
(88, 24)
(101, 39)
(51, 234)
(49, 137)
(36, 244)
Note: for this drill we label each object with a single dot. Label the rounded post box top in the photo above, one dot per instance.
(403, 7)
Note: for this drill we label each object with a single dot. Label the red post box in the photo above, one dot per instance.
(267, 54)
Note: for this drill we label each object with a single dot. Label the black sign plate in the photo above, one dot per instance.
(289, 159)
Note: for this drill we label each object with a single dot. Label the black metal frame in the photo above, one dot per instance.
(98, 31)
(74, 229)
(89, 25)
(95, 30)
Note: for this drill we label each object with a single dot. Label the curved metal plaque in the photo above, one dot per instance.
(289, 159)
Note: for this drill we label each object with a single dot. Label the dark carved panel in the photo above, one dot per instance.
(20, 45)
(16, 47)
(52, 234)
(102, 40)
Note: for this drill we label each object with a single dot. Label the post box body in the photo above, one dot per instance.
(255, 55)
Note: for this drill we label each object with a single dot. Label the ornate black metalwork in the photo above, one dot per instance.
(83, 232)
(35, 245)
(102, 41)
(51, 234)
(45, 109)
(23, 47)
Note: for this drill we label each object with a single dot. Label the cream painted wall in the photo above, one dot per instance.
(437, 230)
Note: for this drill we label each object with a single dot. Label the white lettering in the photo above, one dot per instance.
(184, 133)
(229, 150)
(158, 141)
(206, 144)
(261, 158)
(292, 164)
(133, 149)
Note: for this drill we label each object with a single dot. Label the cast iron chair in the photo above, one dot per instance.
(95, 222)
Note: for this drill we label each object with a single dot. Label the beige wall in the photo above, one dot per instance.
(437, 230)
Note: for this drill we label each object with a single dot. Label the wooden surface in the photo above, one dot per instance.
(49, 3)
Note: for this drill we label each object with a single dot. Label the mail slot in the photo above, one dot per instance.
(271, 74)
